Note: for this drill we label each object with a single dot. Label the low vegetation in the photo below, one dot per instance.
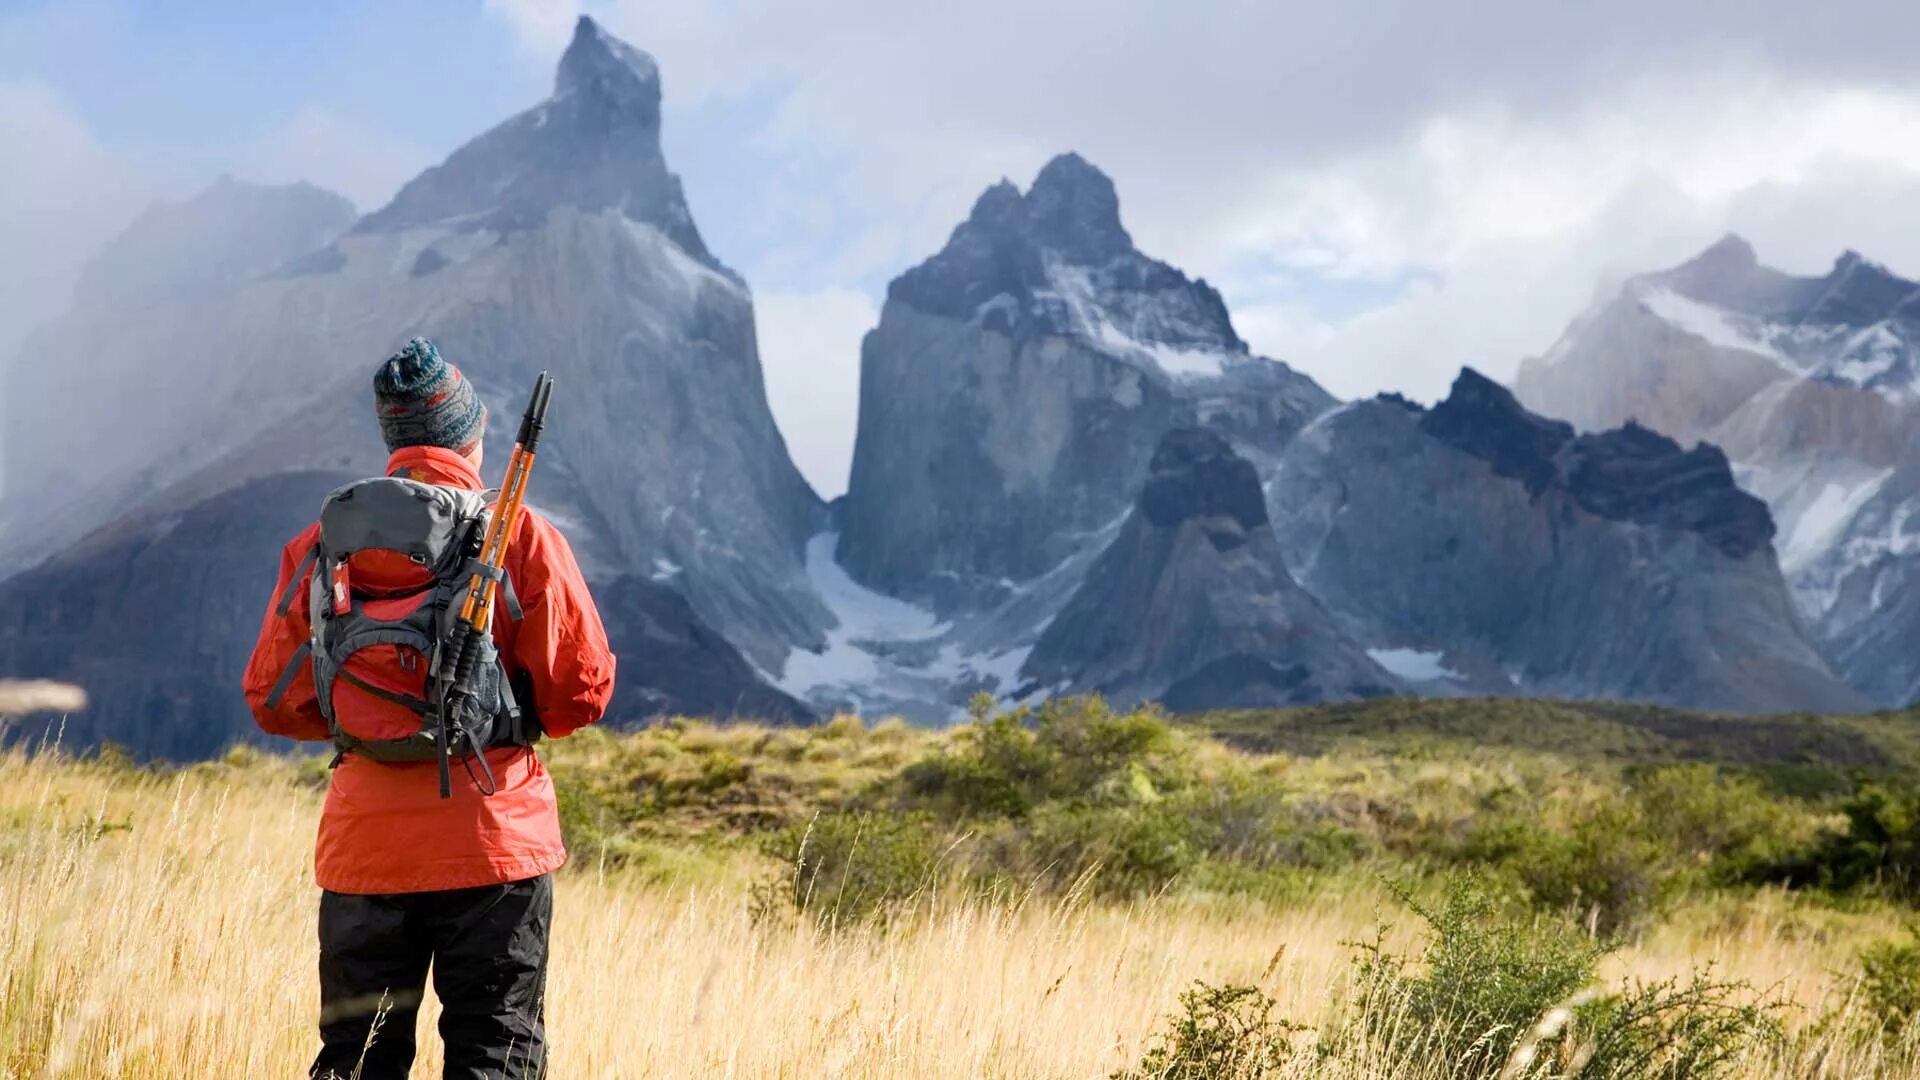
(1402, 889)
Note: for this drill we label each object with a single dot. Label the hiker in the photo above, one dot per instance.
(411, 879)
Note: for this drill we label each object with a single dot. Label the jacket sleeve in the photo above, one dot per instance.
(279, 662)
(560, 643)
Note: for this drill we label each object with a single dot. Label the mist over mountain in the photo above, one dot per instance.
(662, 464)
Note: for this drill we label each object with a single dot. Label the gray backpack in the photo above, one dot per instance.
(381, 662)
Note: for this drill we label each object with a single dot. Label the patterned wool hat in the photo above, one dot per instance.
(424, 401)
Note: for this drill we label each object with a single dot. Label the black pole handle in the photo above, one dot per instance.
(534, 421)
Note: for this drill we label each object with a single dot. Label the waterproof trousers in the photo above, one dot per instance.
(487, 950)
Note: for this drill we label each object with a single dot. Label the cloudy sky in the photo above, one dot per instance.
(1383, 191)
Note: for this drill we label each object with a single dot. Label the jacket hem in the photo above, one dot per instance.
(499, 873)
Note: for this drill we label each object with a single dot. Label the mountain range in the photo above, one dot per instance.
(1071, 474)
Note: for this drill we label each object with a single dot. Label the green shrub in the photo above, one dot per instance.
(1492, 996)
(1890, 984)
(1879, 847)
(1070, 748)
(585, 821)
(1250, 821)
(1136, 849)
(846, 868)
(1479, 986)
(998, 772)
(1604, 869)
(1221, 1033)
(1728, 824)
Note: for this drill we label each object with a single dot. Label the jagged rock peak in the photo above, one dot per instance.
(1072, 209)
(1730, 253)
(1634, 473)
(1195, 473)
(1484, 419)
(1855, 292)
(1630, 473)
(593, 146)
(598, 63)
(1057, 260)
(1075, 209)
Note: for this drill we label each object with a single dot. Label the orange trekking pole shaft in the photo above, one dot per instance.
(476, 613)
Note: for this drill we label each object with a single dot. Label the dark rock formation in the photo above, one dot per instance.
(1607, 566)
(1191, 604)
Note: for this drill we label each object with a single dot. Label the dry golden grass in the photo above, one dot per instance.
(163, 926)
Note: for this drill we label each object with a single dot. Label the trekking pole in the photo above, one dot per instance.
(476, 614)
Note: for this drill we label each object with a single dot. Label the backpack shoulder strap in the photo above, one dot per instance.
(293, 583)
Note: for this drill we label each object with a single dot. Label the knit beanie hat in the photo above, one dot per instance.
(424, 401)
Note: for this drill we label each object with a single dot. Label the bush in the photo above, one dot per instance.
(1728, 824)
(1604, 869)
(1071, 748)
(1248, 820)
(1878, 848)
(1135, 849)
(1890, 985)
(848, 868)
(1499, 997)
(1221, 1033)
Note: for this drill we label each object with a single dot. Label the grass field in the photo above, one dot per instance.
(159, 922)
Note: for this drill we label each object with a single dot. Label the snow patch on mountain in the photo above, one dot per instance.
(1824, 518)
(1879, 356)
(852, 668)
(1718, 328)
(690, 269)
(1095, 314)
(887, 656)
(1414, 665)
(1869, 354)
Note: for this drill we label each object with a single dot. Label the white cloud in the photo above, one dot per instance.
(810, 351)
(1515, 221)
(543, 26)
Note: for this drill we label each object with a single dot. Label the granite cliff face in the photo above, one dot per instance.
(1812, 384)
(1011, 400)
(1527, 558)
(1018, 383)
(1192, 605)
(662, 462)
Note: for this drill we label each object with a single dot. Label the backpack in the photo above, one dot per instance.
(379, 659)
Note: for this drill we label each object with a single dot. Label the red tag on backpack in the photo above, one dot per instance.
(342, 590)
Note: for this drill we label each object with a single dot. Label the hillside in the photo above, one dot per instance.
(1032, 895)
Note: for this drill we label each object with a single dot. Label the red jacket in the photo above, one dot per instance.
(385, 828)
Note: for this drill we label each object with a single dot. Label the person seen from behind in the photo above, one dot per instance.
(412, 881)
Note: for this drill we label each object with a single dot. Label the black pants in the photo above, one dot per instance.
(488, 951)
